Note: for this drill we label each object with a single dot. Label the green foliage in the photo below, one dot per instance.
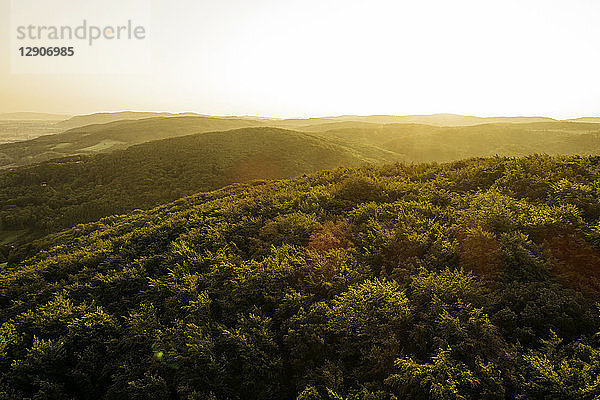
(452, 281)
(561, 371)
(58, 194)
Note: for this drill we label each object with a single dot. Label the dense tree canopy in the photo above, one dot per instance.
(473, 279)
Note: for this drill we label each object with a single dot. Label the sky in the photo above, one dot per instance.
(288, 58)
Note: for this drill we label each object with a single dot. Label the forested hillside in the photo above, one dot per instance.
(102, 138)
(412, 142)
(54, 195)
(423, 143)
(468, 280)
(60, 193)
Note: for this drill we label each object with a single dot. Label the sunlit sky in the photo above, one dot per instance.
(330, 57)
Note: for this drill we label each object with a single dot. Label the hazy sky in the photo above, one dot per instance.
(325, 57)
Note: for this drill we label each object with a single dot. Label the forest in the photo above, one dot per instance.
(469, 279)
(100, 170)
(58, 194)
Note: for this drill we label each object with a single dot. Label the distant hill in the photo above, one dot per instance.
(318, 126)
(61, 193)
(591, 120)
(31, 116)
(419, 143)
(434, 120)
(123, 132)
(68, 122)
(112, 136)
(104, 118)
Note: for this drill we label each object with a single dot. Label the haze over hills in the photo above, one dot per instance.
(104, 118)
(21, 130)
(420, 143)
(21, 126)
(433, 119)
(25, 126)
(429, 119)
(592, 120)
(130, 128)
(32, 116)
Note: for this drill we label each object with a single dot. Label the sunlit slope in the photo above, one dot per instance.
(86, 188)
(475, 279)
(427, 143)
(63, 192)
(432, 142)
(112, 136)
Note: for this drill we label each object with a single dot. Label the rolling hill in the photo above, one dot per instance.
(112, 136)
(57, 194)
(422, 143)
(60, 193)
(105, 118)
(469, 280)
(426, 143)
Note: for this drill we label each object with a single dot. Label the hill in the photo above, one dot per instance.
(592, 120)
(430, 143)
(475, 279)
(422, 143)
(22, 126)
(433, 119)
(105, 118)
(112, 136)
(55, 195)
(295, 123)
(58, 194)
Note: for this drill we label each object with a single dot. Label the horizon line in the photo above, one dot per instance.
(321, 116)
